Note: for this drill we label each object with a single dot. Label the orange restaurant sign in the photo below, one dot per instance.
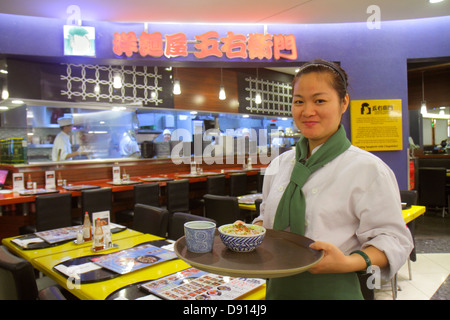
(255, 46)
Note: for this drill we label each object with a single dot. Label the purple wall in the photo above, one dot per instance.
(376, 60)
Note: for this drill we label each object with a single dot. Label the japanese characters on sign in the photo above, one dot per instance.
(376, 124)
(209, 44)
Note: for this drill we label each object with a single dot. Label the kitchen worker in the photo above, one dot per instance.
(166, 135)
(346, 199)
(62, 147)
(128, 145)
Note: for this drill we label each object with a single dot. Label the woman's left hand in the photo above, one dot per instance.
(333, 261)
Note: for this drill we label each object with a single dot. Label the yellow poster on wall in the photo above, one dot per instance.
(376, 125)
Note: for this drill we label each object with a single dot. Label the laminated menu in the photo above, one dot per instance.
(58, 235)
(194, 284)
(132, 259)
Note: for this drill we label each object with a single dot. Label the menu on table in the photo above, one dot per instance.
(58, 235)
(194, 284)
(132, 259)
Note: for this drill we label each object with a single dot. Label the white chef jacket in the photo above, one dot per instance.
(129, 147)
(62, 142)
(352, 202)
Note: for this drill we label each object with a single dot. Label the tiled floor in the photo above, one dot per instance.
(431, 270)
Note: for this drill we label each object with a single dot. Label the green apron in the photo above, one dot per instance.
(291, 213)
(308, 286)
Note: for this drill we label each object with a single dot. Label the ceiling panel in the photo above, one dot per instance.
(230, 11)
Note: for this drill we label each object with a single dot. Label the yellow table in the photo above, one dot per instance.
(408, 214)
(412, 213)
(46, 260)
(31, 254)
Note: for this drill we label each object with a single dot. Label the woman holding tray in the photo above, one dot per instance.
(344, 198)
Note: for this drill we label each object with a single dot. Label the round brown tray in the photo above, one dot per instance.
(281, 254)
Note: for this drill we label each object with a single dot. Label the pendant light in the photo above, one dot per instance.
(258, 99)
(176, 85)
(423, 108)
(222, 95)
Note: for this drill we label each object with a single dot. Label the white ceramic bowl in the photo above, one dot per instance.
(242, 243)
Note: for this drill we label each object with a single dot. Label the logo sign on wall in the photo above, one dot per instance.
(210, 44)
(79, 41)
(376, 125)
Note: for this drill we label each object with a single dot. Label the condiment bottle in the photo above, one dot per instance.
(29, 182)
(98, 243)
(60, 180)
(87, 228)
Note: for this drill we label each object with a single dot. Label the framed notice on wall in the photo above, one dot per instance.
(376, 124)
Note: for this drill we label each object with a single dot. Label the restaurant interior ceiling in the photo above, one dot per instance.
(230, 11)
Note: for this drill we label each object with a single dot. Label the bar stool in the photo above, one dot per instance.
(94, 200)
(177, 221)
(216, 185)
(147, 193)
(52, 211)
(238, 184)
(150, 219)
(177, 196)
(222, 209)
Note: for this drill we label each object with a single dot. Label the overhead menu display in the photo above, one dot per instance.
(376, 125)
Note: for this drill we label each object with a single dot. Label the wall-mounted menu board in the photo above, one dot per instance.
(376, 125)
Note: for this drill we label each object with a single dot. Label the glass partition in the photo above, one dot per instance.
(108, 132)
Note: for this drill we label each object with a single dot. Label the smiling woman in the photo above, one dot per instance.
(319, 100)
(330, 191)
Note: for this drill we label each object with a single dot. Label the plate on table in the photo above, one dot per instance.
(124, 182)
(249, 198)
(81, 187)
(35, 192)
(155, 179)
(281, 254)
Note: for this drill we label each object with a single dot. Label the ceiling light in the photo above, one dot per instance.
(117, 81)
(435, 1)
(222, 95)
(423, 108)
(258, 99)
(5, 94)
(16, 101)
(176, 87)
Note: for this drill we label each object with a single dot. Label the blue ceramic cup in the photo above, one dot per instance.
(199, 236)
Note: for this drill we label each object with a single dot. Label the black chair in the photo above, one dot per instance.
(177, 196)
(52, 211)
(216, 185)
(96, 200)
(150, 219)
(144, 194)
(259, 182)
(18, 282)
(222, 209)
(238, 184)
(257, 206)
(177, 221)
(432, 188)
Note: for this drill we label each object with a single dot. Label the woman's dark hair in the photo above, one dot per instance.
(339, 76)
